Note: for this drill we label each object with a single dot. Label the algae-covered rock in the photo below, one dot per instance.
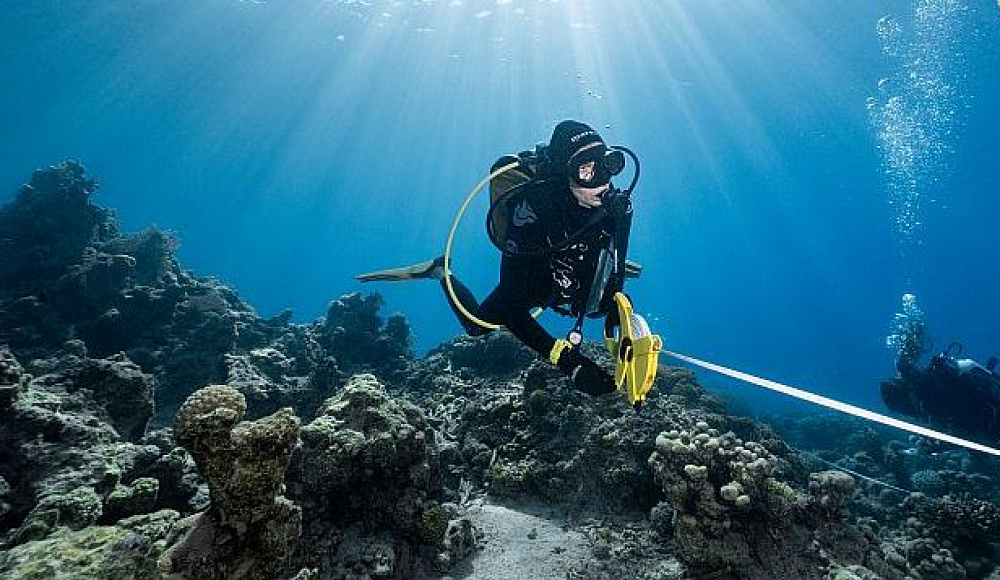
(292, 371)
(126, 551)
(368, 463)
(121, 389)
(62, 437)
(75, 509)
(139, 497)
(151, 250)
(460, 540)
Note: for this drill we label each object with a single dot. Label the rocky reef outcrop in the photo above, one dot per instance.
(249, 530)
(71, 435)
(72, 283)
(45, 230)
(354, 331)
(368, 471)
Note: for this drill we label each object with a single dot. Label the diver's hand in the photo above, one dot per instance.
(585, 373)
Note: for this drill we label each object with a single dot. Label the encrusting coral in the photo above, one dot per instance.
(248, 530)
(125, 551)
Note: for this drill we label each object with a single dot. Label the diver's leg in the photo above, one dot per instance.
(509, 305)
(483, 312)
(504, 306)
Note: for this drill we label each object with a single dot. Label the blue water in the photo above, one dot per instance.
(804, 163)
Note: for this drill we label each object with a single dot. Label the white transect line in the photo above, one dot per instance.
(834, 404)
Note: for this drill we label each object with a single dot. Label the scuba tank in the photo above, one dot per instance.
(532, 165)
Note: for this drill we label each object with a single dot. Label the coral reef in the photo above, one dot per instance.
(733, 511)
(44, 231)
(66, 435)
(534, 433)
(498, 353)
(74, 285)
(118, 387)
(105, 341)
(291, 371)
(74, 295)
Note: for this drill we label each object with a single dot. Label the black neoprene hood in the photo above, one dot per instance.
(569, 137)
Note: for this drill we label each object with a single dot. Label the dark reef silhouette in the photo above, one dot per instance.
(152, 425)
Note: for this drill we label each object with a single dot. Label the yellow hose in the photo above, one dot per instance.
(451, 238)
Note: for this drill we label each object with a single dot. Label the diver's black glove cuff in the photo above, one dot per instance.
(585, 373)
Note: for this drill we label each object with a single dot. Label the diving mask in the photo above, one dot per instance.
(594, 167)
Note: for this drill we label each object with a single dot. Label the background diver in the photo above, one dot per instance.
(563, 230)
(953, 393)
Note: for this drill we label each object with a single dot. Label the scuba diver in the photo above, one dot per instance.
(563, 231)
(956, 394)
(953, 393)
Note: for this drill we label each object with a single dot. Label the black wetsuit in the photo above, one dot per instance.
(547, 215)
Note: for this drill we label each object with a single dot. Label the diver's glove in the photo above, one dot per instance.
(586, 375)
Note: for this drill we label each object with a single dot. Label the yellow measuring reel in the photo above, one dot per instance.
(635, 348)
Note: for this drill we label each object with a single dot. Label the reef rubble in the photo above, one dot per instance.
(153, 425)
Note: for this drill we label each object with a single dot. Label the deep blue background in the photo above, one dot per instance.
(293, 144)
